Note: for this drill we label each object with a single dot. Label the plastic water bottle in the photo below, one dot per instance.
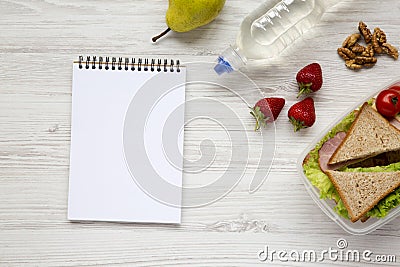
(269, 29)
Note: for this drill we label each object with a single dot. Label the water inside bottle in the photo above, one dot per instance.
(271, 28)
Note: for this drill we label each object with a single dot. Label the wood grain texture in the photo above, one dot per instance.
(40, 39)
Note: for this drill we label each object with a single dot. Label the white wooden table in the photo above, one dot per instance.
(39, 39)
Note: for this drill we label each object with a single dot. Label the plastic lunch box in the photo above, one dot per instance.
(357, 228)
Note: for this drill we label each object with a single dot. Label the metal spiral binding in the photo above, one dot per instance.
(133, 64)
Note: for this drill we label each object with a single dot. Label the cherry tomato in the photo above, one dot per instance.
(388, 103)
(395, 88)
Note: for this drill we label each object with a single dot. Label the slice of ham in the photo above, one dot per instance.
(327, 150)
(330, 146)
(395, 122)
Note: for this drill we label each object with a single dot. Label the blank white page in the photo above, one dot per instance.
(102, 187)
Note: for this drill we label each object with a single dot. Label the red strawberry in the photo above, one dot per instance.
(267, 110)
(309, 79)
(302, 114)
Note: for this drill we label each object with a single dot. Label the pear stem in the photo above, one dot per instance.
(155, 38)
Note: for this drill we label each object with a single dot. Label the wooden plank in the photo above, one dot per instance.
(40, 39)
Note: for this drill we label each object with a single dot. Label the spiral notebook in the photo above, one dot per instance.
(124, 112)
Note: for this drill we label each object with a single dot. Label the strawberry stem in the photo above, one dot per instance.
(304, 88)
(298, 125)
(260, 118)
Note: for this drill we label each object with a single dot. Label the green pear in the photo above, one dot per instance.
(186, 15)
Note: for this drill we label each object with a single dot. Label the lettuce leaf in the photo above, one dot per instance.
(317, 177)
(385, 205)
(327, 190)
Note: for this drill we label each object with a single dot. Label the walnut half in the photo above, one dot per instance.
(390, 50)
(351, 40)
(366, 33)
(346, 53)
(351, 64)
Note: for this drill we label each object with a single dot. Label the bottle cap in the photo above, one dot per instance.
(222, 66)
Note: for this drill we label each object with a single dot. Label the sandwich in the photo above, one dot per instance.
(369, 135)
(361, 191)
(357, 164)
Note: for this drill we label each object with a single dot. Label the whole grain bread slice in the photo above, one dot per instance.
(361, 191)
(369, 135)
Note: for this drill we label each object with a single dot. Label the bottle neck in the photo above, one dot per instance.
(235, 56)
(231, 59)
